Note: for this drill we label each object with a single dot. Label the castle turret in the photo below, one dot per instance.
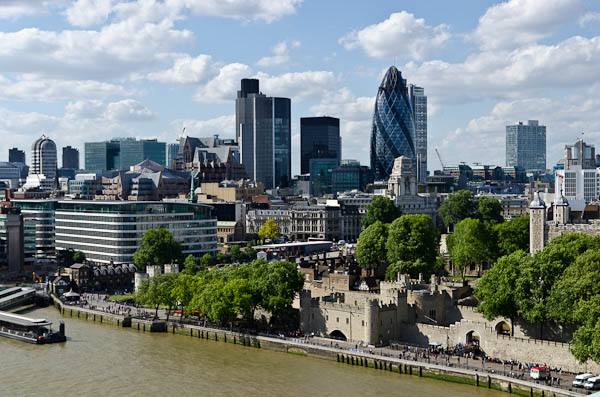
(372, 321)
(561, 210)
(537, 224)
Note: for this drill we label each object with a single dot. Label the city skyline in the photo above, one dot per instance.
(478, 75)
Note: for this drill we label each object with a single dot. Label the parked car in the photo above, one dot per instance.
(580, 379)
(592, 383)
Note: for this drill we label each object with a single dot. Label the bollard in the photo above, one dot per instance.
(234, 339)
(509, 388)
(138, 326)
(338, 357)
(101, 319)
(361, 362)
(489, 382)
(225, 338)
(216, 337)
(410, 370)
(352, 360)
(477, 380)
(191, 332)
(542, 393)
(531, 391)
(144, 327)
(421, 374)
(385, 365)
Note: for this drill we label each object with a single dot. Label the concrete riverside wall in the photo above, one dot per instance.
(300, 347)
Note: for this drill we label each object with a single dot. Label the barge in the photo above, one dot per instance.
(29, 330)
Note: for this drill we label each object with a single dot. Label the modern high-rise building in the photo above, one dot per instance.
(393, 131)
(70, 158)
(172, 149)
(526, 146)
(43, 159)
(16, 156)
(263, 133)
(122, 153)
(579, 180)
(319, 138)
(418, 101)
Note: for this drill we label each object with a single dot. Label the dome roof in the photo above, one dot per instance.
(43, 143)
(561, 201)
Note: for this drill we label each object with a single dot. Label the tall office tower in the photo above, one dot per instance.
(393, 130)
(43, 159)
(122, 153)
(418, 101)
(578, 180)
(263, 133)
(172, 149)
(70, 158)
(526, 146)
(16, 156)
(319, 138)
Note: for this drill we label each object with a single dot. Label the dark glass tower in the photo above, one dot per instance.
(16, 156)
(319, 138)
(70, 158)
(122, 153)
(393, 132)
(263, 131)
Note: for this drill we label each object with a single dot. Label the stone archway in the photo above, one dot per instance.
(502, 328)
(473, 337)
(337, 334)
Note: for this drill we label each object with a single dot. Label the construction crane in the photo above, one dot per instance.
(440, 158)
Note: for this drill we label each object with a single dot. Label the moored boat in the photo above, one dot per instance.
(30, 330)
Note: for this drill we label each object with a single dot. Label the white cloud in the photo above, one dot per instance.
(299, 86)
(345, 105)
(223, 88)
(32, 88)
(127, 110)
(264, 10)
(187, 70)
(402, 35)
(280, 54)
(85, 109)
(518, 22)
(12, 9)
(520, 73)
(589, 18)
(87, 13)
(222, 125)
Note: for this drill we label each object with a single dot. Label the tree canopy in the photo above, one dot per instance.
(412, 244)
(270, 230)
(513, 235)
(380, 209)
(490, 210)
(69, 257)
(458, 206)
(469, 244)
(158, 247)
(371, 247)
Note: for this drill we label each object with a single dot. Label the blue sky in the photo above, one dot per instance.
(90, 70)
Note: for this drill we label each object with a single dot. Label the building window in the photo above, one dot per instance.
(362, 323)
(432, 314)
(347, 320)
(337, 319)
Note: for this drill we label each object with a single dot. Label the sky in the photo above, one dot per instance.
(91, 70)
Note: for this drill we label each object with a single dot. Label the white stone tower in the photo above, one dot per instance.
(561, 210)
(403, 180)
(537, 224)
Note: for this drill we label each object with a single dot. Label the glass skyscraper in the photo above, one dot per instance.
(526, 146)
(418, 101)
(393, 132)
(319, 138)
(263, 131)
(122, 153)
(43, 159)
(70, 158)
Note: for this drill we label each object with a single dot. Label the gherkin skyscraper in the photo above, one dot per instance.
(393, 131)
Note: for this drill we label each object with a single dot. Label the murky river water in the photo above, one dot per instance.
(109, 361)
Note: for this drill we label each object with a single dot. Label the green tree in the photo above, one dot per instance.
(412, 268)
(578, 283)
(513, 235)
(370, 250)
(380, 209)
(278, 284)
(495, 291)
(249, 253)
(236, 254)
(458, 206)
(149, 294)
(78, 257)
(469, 244)
(190, 265)
(158, 247)
(490, 210)
(586, 340)
(206, 261)
(65, 257)
(412, 238)
(270, 230)
(166, 289)
(183, 292)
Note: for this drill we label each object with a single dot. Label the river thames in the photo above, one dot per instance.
(106, 360)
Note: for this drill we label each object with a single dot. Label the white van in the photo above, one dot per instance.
(580, 379)
(592, 383)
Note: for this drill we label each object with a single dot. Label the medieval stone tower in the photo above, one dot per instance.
(537, 224)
